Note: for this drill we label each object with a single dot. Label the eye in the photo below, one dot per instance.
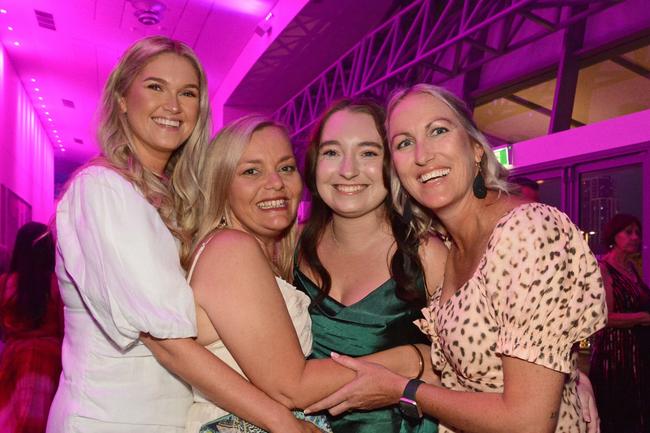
(369, 153)
(291, 168)
(328, 153)
(190, 93)
(154, 86)
(250, 172)
(439, 130)
(404, 143)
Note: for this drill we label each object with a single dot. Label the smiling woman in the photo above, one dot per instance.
(118, 224)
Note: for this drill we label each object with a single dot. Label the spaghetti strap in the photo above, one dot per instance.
(198, 253)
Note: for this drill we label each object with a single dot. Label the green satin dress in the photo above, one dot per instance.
(377, 322)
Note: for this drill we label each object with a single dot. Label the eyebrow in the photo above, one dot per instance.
(361, 144)
(438, 119)
(162, 81)
(259, 161)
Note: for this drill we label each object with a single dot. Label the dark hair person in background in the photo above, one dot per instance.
(31, 322)
(528, 188)
(620, 363)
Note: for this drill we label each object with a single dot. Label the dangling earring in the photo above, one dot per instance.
(479, 189)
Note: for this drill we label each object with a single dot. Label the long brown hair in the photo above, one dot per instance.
(405, 265)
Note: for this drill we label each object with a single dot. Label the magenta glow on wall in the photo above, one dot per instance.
(26, 155)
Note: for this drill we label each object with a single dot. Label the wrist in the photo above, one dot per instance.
(280, 421)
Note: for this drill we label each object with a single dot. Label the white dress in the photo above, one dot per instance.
(202, 411)
(119, 275)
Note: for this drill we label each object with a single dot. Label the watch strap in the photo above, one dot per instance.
(411, 388)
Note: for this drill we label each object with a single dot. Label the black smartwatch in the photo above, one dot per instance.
(407, 404)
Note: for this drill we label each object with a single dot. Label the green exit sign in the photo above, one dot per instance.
(503, 156)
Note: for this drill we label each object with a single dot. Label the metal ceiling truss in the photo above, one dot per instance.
(432, 41)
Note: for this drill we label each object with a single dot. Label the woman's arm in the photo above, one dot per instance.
(517, 409)
(234, 285)
(614, 318)
(222, 385)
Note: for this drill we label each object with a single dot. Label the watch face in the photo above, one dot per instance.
(409, 408)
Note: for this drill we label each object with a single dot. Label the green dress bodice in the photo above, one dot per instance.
(377, 322)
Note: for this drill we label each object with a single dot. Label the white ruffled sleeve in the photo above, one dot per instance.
(123, 259)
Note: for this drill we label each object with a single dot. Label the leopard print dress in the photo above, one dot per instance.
(536, 292)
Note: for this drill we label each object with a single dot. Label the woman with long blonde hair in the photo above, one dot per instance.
(118, 225)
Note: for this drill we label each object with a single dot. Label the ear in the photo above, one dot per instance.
(121, 100)
(478, 152)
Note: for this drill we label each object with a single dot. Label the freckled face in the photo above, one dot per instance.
(265, 191)
(162, 106)
(349, 170)
(629, 239)
(432, 153)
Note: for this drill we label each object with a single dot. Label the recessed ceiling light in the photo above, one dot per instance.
(3, 11)
(62, 150)
(40, 98)
(33, 80)
(49, 119)
(36, 89)
(42, 105)
(17, 43)
(11, 29)
(56, 136)
(55, 131)
(58, 141)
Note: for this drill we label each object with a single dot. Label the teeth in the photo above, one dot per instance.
(434, 174)
(350, 188)
(167, 122)
(272, 204)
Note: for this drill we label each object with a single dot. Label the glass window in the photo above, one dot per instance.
(614, 87)
(517, 117)
(550, 191)
(603, 194)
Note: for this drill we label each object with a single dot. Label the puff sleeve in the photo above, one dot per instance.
(543, 286)
(122, 259)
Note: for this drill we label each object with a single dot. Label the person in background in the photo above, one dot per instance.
(32, 328)
(620, 363)
(365, 279)
(528, 188)
(119, 224)
(520, 287)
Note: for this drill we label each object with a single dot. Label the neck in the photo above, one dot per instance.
(617, 256)
(354, 233)
(466, 221)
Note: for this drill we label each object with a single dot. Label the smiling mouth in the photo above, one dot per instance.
(167, 122)
(435, 174)
(349, 189)
(273, 204)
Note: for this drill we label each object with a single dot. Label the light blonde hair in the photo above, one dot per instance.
(174, 198)
(218, 167)
(494, 174)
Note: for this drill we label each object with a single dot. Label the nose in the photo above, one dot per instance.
(422, 153)
(348, 168)
(274, 181)
(171, 104)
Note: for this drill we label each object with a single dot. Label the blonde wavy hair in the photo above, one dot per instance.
(174, 195)
(218, 167)
(494, 174)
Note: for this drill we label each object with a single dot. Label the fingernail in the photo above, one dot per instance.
(334, 355)
(306, 411)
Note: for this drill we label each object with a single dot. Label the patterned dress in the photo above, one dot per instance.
(30, 364)
(620, 363)
(535, 293)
